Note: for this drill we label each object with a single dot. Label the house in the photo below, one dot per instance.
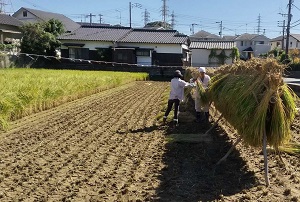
(160, 47)
(10, 30)
(276, 43)
(252, 45)
(126, 45)
(294, 42)
(32, 15)
(206, 53)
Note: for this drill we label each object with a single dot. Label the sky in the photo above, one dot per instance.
(237, 16)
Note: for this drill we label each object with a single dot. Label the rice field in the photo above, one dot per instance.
(26, 91)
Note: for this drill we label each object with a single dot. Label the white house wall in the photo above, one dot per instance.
(260, 49)
(276, 44)
(200, 57)
(30, 17)
(293, 43)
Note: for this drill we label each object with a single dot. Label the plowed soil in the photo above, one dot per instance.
(109, 147)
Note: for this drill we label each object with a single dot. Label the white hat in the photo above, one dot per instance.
(202, 69)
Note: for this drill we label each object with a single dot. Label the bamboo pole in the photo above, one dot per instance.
(213, 126)
(230, 150)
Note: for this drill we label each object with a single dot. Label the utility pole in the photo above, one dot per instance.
(91, 18)
(221, 28)
(173, 20)
(283, 28)
(258, 26)
(100, 18)
(164, 11)
(146, 17)
(288, 29)
(130, 11)
(283, 32)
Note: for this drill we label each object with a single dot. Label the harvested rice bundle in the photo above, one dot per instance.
(193, 73)
(203, 93)
(253, 99)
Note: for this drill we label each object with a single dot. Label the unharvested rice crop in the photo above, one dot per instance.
(25, 91)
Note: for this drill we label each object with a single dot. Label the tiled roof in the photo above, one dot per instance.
(97, 34)
(296, 36)
(126, 35)
(154, 36)
(279, 38)
(212, 44)
(250, 37)
(229, 38)
(9, 20)
(69, 24)
(87, 24)
(246, 36)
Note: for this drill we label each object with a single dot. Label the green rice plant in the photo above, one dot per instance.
(291, 148)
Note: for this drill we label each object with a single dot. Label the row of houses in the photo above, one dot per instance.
(140, 46)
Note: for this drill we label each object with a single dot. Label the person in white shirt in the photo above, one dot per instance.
(202, 109)
(176, 95)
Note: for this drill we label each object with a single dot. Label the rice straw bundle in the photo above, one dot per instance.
(203, 93)
(253, 98)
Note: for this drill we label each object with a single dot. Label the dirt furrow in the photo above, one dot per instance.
(64, 151)
(62, 157)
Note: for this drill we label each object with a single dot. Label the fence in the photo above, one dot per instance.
(39, 61)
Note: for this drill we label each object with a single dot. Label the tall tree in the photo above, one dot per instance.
(40, 38)
(158, 24)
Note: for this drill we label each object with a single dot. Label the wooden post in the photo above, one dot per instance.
(266, 159)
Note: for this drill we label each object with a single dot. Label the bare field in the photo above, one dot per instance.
(109, 147)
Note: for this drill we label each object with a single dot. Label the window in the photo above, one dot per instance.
(142, 53)
(291, 44)
(122, 57)
(24, 13)
(242, 43)
(75, 53)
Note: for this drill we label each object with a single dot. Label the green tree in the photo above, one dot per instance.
(40, 38)
(158, 24)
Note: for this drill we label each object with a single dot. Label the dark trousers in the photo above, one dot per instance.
(176, 107)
